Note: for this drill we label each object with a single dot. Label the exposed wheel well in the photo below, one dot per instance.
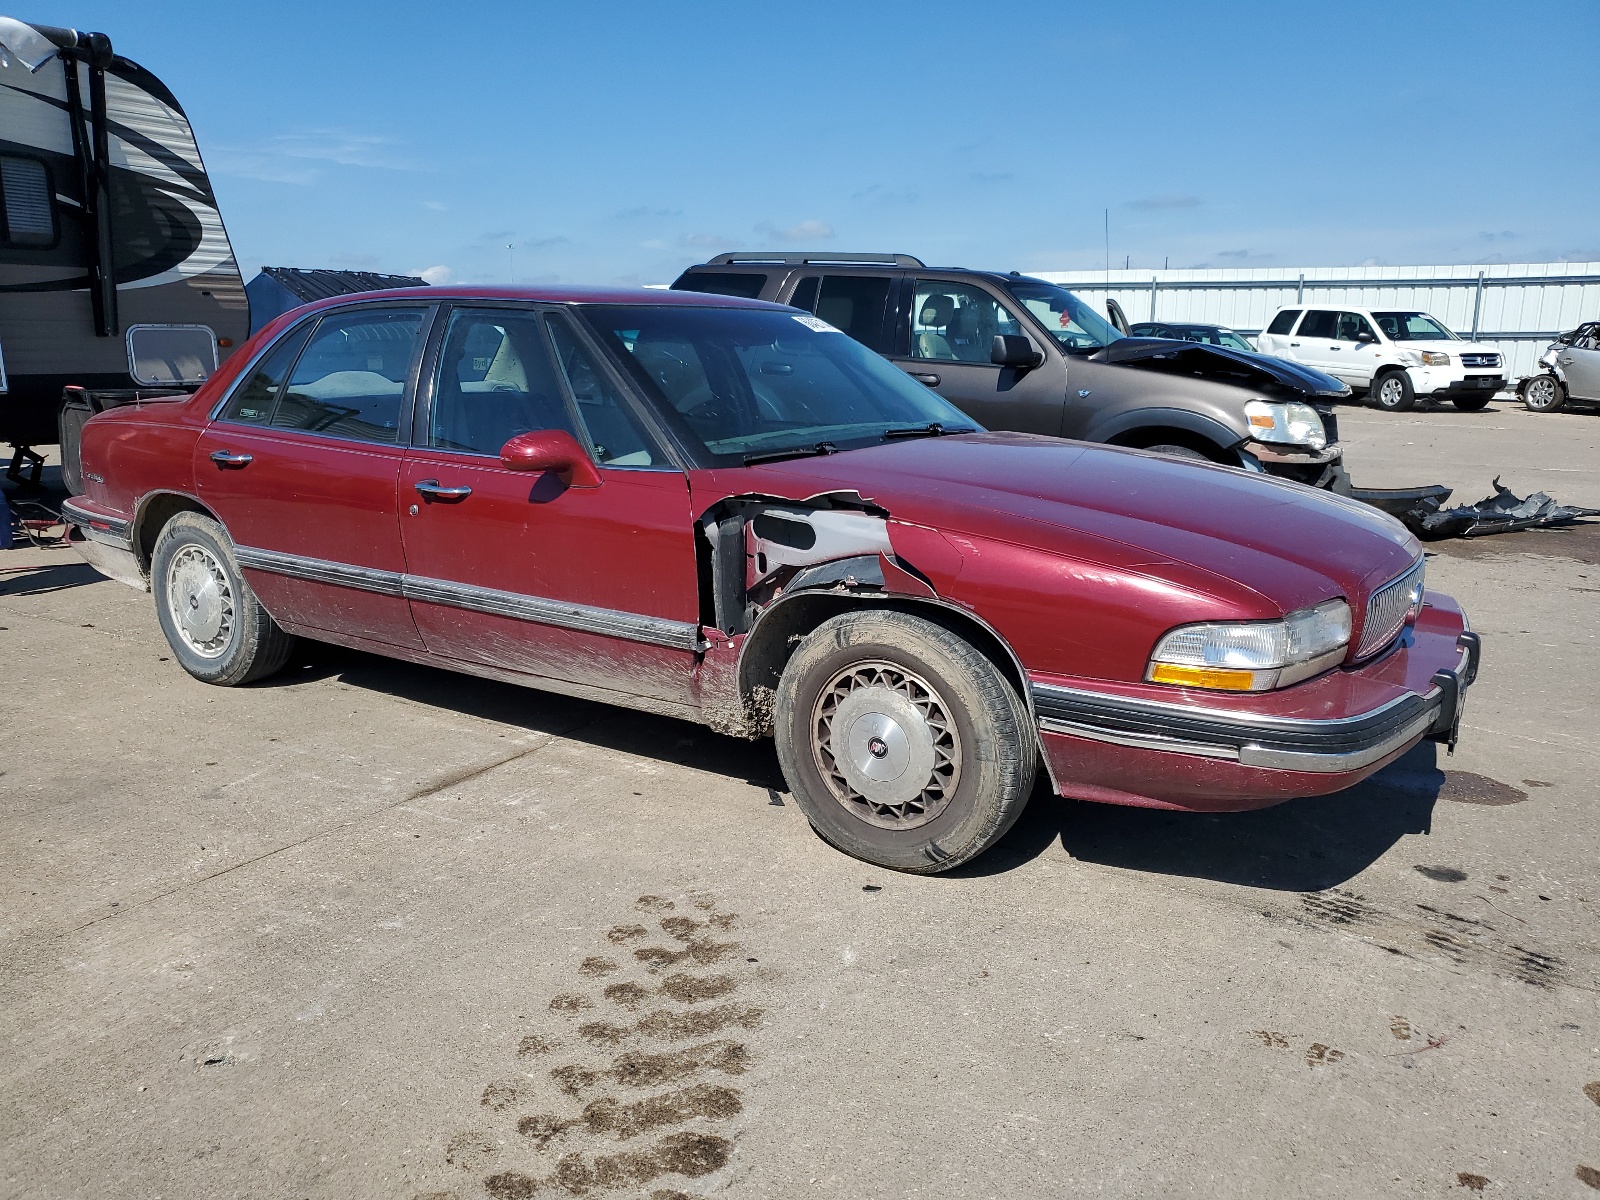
(1165, 435)
(773, 639)
(153, 516)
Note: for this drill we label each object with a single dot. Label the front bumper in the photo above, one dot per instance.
(1442, 382)
(1200, 751)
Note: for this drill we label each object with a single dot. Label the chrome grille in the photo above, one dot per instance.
(1480, 360)
(1388, 610)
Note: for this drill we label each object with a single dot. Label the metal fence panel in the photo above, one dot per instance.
(1515, 307)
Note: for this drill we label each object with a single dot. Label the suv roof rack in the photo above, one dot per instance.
(802, 258)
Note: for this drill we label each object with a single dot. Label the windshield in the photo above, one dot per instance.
(1078, 328)
(1412, 327)
(756, 382)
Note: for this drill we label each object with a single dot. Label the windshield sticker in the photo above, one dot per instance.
(817, 326)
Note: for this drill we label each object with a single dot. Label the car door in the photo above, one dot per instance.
(593, 585)
(1312, 341)
(1580, 363)
(1355, 349)
(302, 465)
(951, 328)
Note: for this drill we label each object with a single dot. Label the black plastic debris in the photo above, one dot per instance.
(1503, 512)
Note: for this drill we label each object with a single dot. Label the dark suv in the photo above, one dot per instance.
(1020, 353)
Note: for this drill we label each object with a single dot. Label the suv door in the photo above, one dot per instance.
(593, 585)
(1354, 351)
(301, 466)
(1312, 341)
(947, 331)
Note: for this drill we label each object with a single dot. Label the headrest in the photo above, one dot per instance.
(937, 310)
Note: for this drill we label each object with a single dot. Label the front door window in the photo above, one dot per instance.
(956, 322)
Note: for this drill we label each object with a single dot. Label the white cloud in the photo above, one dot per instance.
(1169, 200)
(436, 276)
(805, 231)
(705, 241)
(291, 157)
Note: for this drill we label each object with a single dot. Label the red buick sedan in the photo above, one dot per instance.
(729, 512)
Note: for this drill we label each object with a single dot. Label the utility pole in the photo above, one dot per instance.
(511, 262)
(1108, 245)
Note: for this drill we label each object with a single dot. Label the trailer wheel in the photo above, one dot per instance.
(1393, 392)
(1543, 394)
(902, 744)
(211, 618)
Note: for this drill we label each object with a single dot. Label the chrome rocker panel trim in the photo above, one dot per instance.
(1330, 746)
(584, 618)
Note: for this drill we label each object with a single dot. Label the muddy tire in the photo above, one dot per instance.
(1543, 394)
(1470, 403)
(1176, 451)
(902, 744)
(211, 618)
(1393, 392)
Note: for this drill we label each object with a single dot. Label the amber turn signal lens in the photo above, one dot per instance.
(224, 342)
(1220, 679)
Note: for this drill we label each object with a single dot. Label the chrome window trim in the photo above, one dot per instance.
(583, 618)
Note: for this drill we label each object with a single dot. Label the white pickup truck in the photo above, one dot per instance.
(1394, 356)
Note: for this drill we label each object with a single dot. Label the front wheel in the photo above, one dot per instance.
(1176, 451)
(1543, 394)
(211, 618)
(1393, 392)
(1470, 403)
(903, 745)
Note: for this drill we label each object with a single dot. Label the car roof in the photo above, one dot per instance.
(553, 294)
(859, 263)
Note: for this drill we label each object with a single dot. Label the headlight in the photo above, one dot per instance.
(1293, 424)
(1253, 656)
(1435, 358)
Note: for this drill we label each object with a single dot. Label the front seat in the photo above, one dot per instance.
(936, 313)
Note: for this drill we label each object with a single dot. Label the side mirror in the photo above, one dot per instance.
(1365, 335)
(550, 450)
(1014, 350)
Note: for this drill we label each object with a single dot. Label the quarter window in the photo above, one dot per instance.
(29, 214)
(805, 293)
(956, 322)
(1319, 324)
(351, 379)
(723, 283)
(1284, 321)
(252, 401)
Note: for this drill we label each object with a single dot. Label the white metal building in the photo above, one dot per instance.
(1517, 307)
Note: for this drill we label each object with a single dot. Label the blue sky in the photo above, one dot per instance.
(621, 142)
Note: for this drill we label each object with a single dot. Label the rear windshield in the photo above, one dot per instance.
(722, 283)
(751, 381)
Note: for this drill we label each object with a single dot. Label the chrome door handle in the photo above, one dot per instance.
(1294, 343)
(227, 458)
(930, 380)
(433, 490)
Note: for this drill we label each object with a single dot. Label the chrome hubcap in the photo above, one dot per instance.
(886, 744)
(1389, 393)
(1539, 392)
(200, 600)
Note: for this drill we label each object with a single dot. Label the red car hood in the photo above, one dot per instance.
(1292, 545)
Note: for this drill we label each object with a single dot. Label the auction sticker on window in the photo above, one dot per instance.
(817, 325)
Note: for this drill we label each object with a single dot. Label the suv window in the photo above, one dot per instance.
(350, 380)
(723, 283)
(495, 381)
(1284, 321)
(956, 322)
(805, 293)
(252, 401)
(855, 304)
(1318, 324)
(1351, 326)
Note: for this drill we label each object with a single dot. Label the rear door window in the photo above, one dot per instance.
(805, 293)
(856, 304)
(1284, 321)
(723, 283)
(351, 379)
(1319, 323)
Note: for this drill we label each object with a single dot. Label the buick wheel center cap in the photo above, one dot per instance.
(877, 747)
(882, 745)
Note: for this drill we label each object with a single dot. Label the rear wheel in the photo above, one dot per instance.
(211, 618)
(1470, 403)
(1393, 392)
(1188, 452)
(903, 745)
(1543, 393)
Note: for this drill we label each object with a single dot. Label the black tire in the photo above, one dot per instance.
(948, 718)
(1392, 392)
(1176, 451)
(1470, 403)
(231, 639)
(1543, 394)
